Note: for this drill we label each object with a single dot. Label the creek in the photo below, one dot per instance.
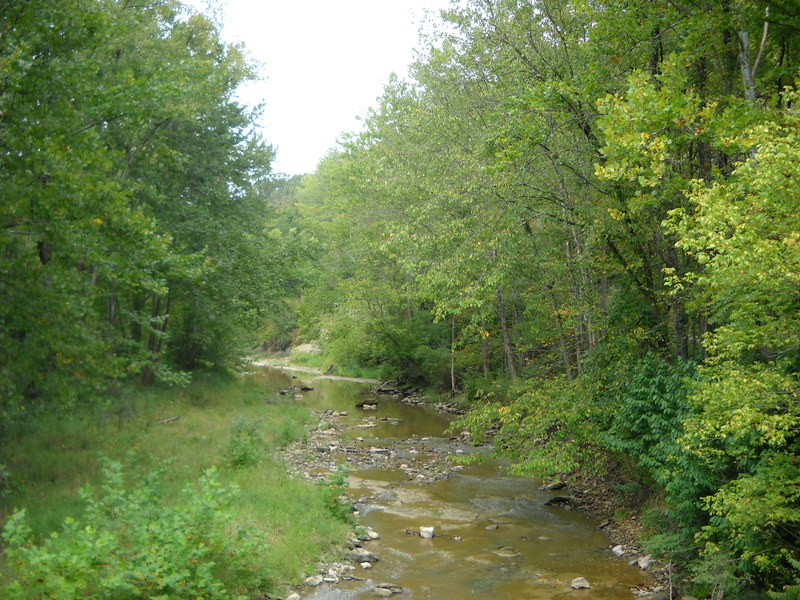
(494, 536)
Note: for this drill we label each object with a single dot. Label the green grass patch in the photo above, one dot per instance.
(323, 362)
(307, 359)
(227, 423)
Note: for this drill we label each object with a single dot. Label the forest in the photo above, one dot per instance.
(579, 217)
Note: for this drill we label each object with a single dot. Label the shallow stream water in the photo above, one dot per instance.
(494, 537)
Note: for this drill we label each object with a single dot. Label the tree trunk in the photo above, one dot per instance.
(561, 336)
(507, 347)
(453, 354)
(749, 70)
(485, 350)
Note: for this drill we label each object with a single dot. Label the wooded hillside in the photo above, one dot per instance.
(585, 215)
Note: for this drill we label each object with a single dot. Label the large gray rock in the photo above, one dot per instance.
(368, 534)
(360, 555)
(392, 588)
(580, 583)
(558, 485)
(559, 501)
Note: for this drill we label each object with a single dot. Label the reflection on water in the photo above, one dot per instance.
(494, 536)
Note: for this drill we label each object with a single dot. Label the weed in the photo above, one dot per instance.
(246, 444)
(335, 493)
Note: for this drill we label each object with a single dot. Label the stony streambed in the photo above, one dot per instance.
(423, 459)
(432, 528)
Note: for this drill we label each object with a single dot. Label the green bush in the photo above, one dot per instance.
(246, 444)
(135, 545)
(548, 427)
(650, 410)
(335, 494)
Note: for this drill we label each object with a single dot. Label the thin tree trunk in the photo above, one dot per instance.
(679, 327)
(112, 304)
(561, 337)
(485, 350)
(749, 70)
(507, 347)
(453, 354)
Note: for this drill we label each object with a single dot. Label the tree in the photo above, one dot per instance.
(130, 210)
(744, 234)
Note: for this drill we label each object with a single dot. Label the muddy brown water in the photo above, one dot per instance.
(494, 538)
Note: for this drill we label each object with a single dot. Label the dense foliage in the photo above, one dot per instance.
(134, 545)
(134, 235)
(585, 215)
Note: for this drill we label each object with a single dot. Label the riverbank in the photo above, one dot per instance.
(284, 364)
(222, 429)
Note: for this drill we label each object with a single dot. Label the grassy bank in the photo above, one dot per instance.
(223, 422)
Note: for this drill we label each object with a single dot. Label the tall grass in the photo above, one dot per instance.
(210, 423)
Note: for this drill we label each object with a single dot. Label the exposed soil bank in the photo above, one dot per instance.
(282, 364)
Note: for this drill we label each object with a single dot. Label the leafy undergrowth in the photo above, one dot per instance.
(173, 493)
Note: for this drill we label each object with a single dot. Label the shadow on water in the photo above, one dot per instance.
(494, 538)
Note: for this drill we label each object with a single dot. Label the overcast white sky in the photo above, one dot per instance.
(325, 63)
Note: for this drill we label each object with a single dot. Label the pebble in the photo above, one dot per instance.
(619, 550)
(366, 565)
(426, 532)
(293, 596)
(505, 552)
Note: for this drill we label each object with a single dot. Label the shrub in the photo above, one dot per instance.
(246, 444)
(548, 427)
(134, 545)
(648, 421)
(335, 494)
